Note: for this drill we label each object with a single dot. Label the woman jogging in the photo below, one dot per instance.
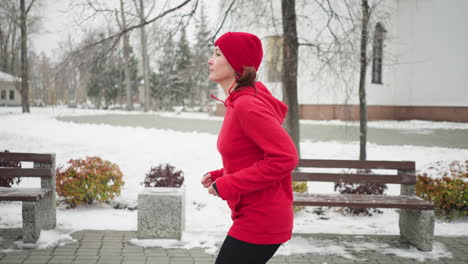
(257, 153)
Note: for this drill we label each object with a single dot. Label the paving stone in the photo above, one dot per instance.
(434, 262)
(17, 258)
(199, 254)
(63, 257)
(87, 253)
(178, 254)
(207, 258)
(462, 256)
(36, 261)
(84, 258)
(111, 259)
(41, 252)
(134, 261)
(297, 260)
(155, 254)
(60, 261)
(10, 261)
(65, 253)
(345, 261)
(388, 261)
(109, 262)
(88, 261)
(162, 260)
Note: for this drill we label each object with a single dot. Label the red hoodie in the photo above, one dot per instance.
(258, 157)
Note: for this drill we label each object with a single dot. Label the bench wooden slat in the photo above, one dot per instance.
(353, 177)
(29, 157)
(22, 194)
(362, 201)
(357, 164)
(25, 172)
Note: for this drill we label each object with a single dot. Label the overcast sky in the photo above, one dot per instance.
(59, 21)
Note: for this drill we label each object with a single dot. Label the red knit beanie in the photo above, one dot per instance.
(241, 49)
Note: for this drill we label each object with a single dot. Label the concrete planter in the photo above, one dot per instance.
(161, 213)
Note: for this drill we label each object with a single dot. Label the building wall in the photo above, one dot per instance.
(7, 88)
(426, 54)
(424, 75)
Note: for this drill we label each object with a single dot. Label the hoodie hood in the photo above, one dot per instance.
(275, 106)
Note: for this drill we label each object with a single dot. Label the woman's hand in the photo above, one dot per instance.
(212, 191)
(206, 180)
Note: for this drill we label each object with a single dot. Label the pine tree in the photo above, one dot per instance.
(105, 76)
(95, 85)
(203, 49)
(182, 85)
(161, 82)
(135, 79)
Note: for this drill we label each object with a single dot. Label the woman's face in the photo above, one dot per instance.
(220, 69)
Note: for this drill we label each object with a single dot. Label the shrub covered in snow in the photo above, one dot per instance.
(88, 180)
(447, 187)
(164, 175)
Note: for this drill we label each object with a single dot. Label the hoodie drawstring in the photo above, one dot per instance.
(232, 85)
(216, 98)
(229, 91)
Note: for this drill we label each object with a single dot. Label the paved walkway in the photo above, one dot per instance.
(112, 247)
(450, 138)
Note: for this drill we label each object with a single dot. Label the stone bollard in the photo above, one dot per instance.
(161, 213)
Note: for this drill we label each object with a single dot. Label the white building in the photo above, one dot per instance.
(9, 96)
(423, 66)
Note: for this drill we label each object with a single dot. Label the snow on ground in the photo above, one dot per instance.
(136, 149)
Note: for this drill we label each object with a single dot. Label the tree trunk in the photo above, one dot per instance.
(289, 74)
(126, 55)
(362, 81)
(24, 59)
(144, 54)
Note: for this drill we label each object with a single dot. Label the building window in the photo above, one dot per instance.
(377, 53)
(274, 58)
(12, 95)
(3, 95)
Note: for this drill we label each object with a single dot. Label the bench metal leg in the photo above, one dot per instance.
(37, 216)
(417, 226)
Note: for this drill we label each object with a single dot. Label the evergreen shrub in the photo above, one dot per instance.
(447, 189)
(87, 180)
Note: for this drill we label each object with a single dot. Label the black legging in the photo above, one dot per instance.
(235, 251)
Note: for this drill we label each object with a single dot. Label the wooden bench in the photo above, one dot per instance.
(416, 220)
(38, 204)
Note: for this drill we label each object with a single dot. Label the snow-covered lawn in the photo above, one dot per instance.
(136, 149)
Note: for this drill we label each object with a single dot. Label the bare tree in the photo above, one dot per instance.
(24, 10)
(126, 56)
(8, 33)
(144, 54)
(362, 80)
(289, 74)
